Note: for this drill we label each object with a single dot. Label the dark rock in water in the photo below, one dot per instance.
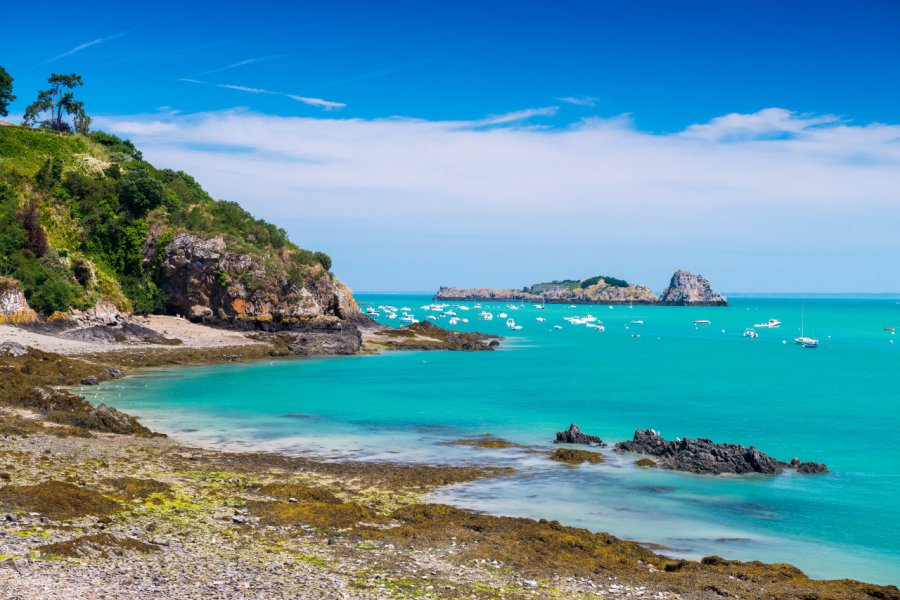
(812, 467)
(700, 455)
(114, 373)
(90, 380)
(573, 435)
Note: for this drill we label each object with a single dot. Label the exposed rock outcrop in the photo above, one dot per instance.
(573, 435)
(14, 307)
(701, 455)
(685, 288)
(205, 282)
(427, 336)
(599, 292)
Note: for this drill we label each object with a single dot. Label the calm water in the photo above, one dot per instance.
(838, 404)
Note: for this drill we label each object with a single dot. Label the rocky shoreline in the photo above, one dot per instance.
(112, 515)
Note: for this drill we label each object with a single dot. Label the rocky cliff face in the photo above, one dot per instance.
(203, 281)
(14, 308)
(687, 288)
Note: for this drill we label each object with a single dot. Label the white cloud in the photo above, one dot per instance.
(579, 100)
(490, 202)
(765, 124)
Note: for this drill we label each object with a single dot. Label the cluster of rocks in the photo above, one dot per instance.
(702, 455)
(573, 435)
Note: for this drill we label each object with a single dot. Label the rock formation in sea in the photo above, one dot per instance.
(573, 435)
(702, 455)
(684, 288)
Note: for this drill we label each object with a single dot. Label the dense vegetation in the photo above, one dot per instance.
(612, 281)
(574, 284)
(77, 211)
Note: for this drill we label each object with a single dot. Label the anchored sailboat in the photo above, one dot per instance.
(806, 342)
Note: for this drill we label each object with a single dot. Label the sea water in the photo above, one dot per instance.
(837, 404)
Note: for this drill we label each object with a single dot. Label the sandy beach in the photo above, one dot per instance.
(192, 335)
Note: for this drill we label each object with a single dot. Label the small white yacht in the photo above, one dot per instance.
(770, 324)
(751, 334)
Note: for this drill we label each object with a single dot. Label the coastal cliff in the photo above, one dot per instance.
(203, 280)
(685, 289)
(85, 222)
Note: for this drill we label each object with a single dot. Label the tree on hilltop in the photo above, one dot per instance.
(60, 103)
(6, 95)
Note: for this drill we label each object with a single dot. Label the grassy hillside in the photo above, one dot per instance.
(79, 215)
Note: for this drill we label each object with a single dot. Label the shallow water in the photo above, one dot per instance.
(836, 404)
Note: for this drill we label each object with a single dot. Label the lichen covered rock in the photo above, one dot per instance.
(205, 282)
(14, 307)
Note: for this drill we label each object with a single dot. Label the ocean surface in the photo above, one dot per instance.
(838, 404)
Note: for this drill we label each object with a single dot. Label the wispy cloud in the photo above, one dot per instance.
(240, 63)
(579, 100)
(516, 116)
(326, 104)
(85, 46)
(455, 202)
(317, 102)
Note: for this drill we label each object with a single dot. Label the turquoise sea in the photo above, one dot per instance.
(838, 404)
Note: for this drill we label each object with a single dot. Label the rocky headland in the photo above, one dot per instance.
(684, 289)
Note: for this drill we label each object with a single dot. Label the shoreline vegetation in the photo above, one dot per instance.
(129, 513)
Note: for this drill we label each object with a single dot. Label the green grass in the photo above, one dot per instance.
(25, 150)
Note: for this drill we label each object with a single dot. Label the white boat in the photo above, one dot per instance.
(432, 317)
(487, 316)
(392, 316)
(701, 322)
(453, 320)
(637, 322)
(408, 318)
(803, 340)
(502, 315)
(557, 327)
(510, 323)
(751, 334)
(541, 320)
(770, 324)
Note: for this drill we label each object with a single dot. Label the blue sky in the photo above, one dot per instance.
(475, 143)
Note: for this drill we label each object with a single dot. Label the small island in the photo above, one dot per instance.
(684, 289)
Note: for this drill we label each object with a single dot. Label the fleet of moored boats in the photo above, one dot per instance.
(441, 311)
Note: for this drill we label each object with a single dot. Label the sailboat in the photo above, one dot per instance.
(806, 342)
